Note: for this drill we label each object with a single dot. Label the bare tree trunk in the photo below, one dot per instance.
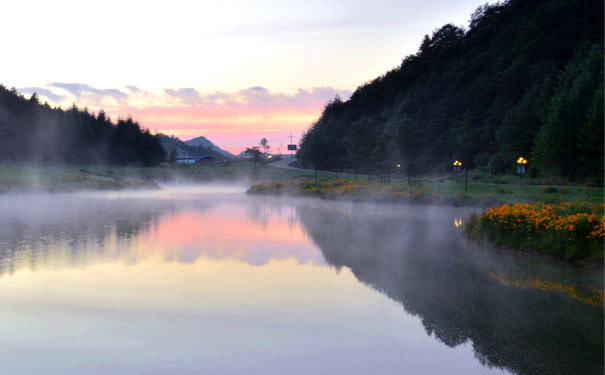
(465, 179)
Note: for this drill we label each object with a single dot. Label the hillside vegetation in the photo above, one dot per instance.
(525, 79)
(34, 132)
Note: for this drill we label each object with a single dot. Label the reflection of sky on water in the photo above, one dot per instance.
(217, 228)
(206, 285)
(227, 232)
(212, 315)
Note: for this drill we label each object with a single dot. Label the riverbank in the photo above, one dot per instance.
(264, 179)
(14, 178)
(568, 231)
(481, 195)
(65, 178)
(563, 222)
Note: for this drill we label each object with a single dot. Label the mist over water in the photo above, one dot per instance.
(208, 280)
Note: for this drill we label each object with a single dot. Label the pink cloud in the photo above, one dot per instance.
(233, 120)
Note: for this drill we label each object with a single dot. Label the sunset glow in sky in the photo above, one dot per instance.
(233, 71)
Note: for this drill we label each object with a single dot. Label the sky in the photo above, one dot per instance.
(233, 71)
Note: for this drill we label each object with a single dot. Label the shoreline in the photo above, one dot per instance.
(482, 196)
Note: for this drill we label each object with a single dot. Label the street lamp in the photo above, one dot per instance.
(457, 166)
(521, 162)
(458, 169)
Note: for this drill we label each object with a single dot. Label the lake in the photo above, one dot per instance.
(208, 280)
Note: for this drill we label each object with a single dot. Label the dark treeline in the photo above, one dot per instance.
(35, 132)
(526, 79)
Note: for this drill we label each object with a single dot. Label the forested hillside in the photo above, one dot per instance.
(525, 79)
(35, 132)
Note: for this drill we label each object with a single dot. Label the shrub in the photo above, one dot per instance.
(568, 230)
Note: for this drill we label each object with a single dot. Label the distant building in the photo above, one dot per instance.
(186, 160)
(193, 159)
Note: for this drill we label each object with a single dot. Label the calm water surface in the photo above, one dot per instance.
(207, 280)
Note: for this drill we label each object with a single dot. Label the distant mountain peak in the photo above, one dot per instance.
(197, 141)
(205, 142)
(172, 143)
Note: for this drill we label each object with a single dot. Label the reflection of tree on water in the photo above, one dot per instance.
(77, 229)
(422, 263)
(71, 231)
(261, 209)
(594, 296)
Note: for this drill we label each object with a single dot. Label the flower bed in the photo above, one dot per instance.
(568, 230)
(338, 188)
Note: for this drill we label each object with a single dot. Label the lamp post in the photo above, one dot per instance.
(458, 169)
(457, 166)
(521, 162)
(398, 171)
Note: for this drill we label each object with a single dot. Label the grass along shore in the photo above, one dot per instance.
(479, 194)
(21, 177)
(14, 178)
(27, 177)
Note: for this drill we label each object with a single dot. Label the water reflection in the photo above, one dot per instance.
(526, 315)
(591, 297)
(52, 232)
(183, 281)
(458, 222)
(198, 284)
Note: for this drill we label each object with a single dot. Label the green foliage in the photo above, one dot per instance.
(359, 144)
(409, 139)
(590, 137)
(568, 230)
(265, 145)
(255, 154)
(524, 80)
(34, 132)
(557, 143)
(172, 158)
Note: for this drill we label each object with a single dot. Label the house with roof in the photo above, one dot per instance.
(194, 159)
